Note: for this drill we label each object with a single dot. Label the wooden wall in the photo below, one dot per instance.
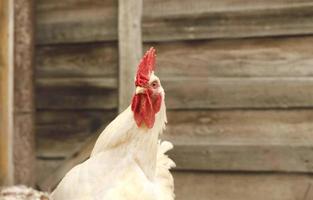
(237, 76)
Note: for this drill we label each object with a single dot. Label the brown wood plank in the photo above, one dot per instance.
(240, 186)
(130, 47)
(266, 57)
(45, 167)
(83, 60)
(238, 93)
(62, 133)
(24, 146)
(223, 186)
(250, 140)
(79, 21)
(263, 57)
(79, 98)
(240, 66)
(6, 97)
(50, 182)
(185, 93)
(272, 140)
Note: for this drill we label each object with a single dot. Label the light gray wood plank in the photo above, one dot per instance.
(238, 92)
(79, 21)
(263, 57)
(130, 47)
(234, 140)
(242, 186)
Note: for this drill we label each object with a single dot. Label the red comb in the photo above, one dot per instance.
(146, 66)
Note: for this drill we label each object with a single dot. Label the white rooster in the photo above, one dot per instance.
(128, 161)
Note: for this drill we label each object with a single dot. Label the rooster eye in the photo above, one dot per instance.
(154, 84)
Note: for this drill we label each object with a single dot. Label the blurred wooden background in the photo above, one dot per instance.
(238, 81)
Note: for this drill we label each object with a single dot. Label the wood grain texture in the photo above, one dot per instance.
(51, 181)
(130, 47)
(247, 73)
(191, 185)
(78, 98)
(239, 186)
(24, 151)
(6, 94)
(183, 93)
(234, 140)
(62, 133)
(272, 140)
(83, 60)
(266, 57)
(79, 21)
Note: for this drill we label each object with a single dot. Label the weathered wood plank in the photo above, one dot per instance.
(272, 140)
(24, 146)
(270, 57)
(187, 93)
(49, 183)
(238, 93)
(6, 94)
(79, 21)
(62, 133)
(224, 186)
(84, 60)
(240, 186)
(78, 98)
(243, 59)
(263, 57)
(130, 47)
(250, 140)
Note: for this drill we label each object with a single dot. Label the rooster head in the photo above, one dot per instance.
(149, 93)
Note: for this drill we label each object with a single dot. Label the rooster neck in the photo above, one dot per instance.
(145, 144)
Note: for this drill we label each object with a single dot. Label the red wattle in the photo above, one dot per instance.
(145, 106)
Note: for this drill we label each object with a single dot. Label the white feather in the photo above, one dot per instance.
(127, 163)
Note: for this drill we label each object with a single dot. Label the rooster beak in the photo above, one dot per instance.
(140, 90)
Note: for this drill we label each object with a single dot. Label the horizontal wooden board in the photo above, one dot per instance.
(78, 98)
(250, 140)
(183, 93)
(62, 133)
(83, 60)
(224, 186)
(238, 93)
(82, 21)
(246, 73)
(240, 186)
(271, 57)
(273, 140)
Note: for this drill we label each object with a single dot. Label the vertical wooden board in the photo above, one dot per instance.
(24, 149)
(24, 153)
(6, 100)
(130, 47)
